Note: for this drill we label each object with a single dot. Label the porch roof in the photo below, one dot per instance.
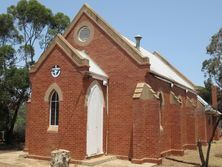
(93, 67)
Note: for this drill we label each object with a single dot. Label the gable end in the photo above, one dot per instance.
(115, 36)
(68, 50)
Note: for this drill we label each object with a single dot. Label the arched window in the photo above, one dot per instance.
(54, 109)
(161, 98)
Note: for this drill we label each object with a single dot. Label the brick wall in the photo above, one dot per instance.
(71, 133)
(181, 118)
(176, 128)
(146, 131)
(214, 96)
(124, 73)
(201, 124)
(190, 128)
(132, 126)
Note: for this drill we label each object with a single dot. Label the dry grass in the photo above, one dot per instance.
(191, 157)
(12, 158)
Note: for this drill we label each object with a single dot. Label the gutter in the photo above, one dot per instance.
(170, 81)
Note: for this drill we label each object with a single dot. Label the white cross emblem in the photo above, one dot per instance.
(55, 71)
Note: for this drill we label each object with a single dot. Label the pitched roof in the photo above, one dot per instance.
(93, 67)
(80, 58)
(66, 47)
(143, 57)
(160, 65)
(113, 34)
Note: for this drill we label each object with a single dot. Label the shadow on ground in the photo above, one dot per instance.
(183, 162)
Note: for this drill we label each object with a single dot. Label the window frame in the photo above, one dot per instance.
(56, 101)
(161, 106)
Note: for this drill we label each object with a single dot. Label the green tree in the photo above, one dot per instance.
(13, 80)
(6, 52)
(25, 24)
(205, 92)
(212, 67)
(30, 18)
(17, 87)
(8, 36)
(57, 25)
(36, 23)
(8, 32)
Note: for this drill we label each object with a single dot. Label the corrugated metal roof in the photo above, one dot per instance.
(158, 64)
(161, 67)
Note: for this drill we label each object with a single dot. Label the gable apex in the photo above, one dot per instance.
(113, 34)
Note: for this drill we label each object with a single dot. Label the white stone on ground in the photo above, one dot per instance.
(60, 158)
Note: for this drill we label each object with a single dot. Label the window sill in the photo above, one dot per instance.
(53, 129)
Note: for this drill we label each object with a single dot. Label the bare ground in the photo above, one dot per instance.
(191, 157)
(12, 158)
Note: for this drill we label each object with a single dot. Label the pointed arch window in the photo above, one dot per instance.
(54, 109)
(161, 98)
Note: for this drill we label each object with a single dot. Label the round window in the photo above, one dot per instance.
(84, 34)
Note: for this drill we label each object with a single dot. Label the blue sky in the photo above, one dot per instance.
(179, 29)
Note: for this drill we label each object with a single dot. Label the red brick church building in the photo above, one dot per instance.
(95, 92)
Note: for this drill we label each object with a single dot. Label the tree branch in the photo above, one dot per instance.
(210, 141)
(202, 159)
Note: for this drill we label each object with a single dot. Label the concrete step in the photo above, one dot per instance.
(124, 163)
(97, 161)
